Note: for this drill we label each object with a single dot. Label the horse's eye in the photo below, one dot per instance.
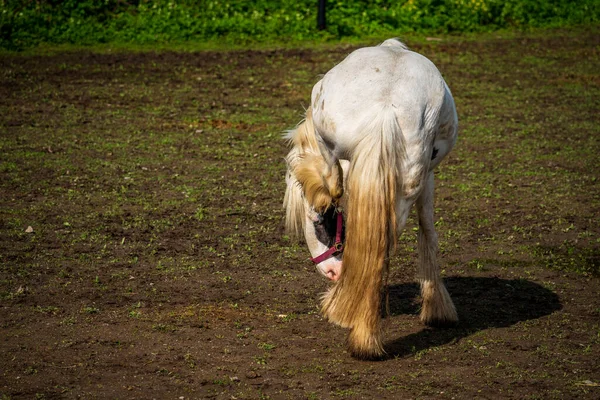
(325, 226)
(322, 234)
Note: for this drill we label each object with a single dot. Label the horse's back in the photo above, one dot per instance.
(368, 81)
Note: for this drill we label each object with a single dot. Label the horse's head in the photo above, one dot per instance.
(322, 227)
(315, 185)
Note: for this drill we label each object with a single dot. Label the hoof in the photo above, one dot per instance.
(438, 309)
(364, 345)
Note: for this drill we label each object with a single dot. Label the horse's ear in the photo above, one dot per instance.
(334, 179)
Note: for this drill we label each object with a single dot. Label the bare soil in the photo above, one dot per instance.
(142, 252)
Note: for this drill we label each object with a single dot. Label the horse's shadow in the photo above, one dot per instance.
(481, 303)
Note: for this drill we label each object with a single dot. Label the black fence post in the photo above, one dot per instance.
(321, 24)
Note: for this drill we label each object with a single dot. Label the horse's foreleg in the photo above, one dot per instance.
(437, 308)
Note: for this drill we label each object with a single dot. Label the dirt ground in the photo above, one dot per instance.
(142, 251)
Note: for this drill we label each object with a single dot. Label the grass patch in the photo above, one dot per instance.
(26, 25)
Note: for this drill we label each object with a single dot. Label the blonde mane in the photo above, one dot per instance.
(310, 178)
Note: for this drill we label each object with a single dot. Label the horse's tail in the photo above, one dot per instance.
(373, 182)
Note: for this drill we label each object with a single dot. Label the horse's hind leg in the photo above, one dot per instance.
(437, 308)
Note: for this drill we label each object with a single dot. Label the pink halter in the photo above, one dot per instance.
(338, 246)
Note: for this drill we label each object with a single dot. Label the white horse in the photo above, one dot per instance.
(378, 125)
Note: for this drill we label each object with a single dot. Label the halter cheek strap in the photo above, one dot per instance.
(337, 247)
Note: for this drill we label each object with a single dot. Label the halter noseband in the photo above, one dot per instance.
(338, 246)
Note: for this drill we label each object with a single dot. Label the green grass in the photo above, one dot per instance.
(163, 23)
